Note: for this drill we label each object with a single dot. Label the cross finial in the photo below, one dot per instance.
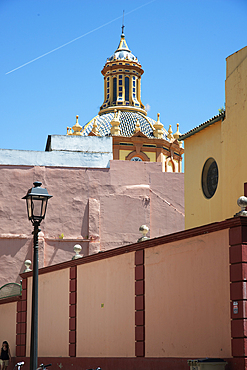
(123, 24)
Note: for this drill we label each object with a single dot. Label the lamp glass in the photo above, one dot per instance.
(36, 207)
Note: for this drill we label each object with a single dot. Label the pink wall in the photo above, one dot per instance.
(187, 298)
(106, 308)
(108, 205)
(187, 301)
(155, 303)
(53, 323)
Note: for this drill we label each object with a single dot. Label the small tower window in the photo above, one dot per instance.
(114, 89)
(126, 88)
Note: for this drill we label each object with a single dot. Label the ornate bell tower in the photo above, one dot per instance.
(122, 81)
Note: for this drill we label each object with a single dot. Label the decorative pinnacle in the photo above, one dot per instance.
(170, 136)
(27, 265)
(77, 127)
(144, 230)
(158, 128)
(77, 250)
(242, 203)
(95, 127)
(177, 133)
(138, 127)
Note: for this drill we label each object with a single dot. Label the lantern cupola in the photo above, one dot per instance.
(122, 81)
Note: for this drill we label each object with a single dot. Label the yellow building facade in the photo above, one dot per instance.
(216, 155)
(136, 137)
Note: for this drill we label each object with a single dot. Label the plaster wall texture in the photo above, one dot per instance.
(106, 308)
(53, 322)
(187, 282)
(226, 143)
(14, 250)
(98, 208)
(8, 325)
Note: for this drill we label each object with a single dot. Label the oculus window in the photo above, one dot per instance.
(210, 177)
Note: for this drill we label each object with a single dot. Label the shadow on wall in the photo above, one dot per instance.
(84, 226)
(57, 251)
(13, 253)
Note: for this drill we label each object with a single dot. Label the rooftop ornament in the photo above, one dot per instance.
(27, 264)
(144, 230)
(158, 128)
(95, 128)
(77, 250)
(77, 128)
(170, 136)
(177, 133)
(115, 129)
(242, 202)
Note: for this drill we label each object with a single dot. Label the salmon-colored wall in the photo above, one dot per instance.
(186, 309)
(8, 325)
(53, 326)
(13, 253)
(106, 308)
(99, 209)
(188, 298)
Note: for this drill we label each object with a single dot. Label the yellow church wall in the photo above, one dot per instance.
(234, 132)
(151, 155)
(123, 154)
(163, 160)
(169, 166)
(198, 148)
(225, 141)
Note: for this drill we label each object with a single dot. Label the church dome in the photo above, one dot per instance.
(128, 121)
(123, 116)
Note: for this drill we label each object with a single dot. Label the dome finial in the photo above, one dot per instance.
(123, 25)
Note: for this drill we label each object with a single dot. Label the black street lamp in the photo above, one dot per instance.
(36, 199)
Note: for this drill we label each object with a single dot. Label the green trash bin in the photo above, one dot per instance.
(207, 364)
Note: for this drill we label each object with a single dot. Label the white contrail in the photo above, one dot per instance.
(77, 38)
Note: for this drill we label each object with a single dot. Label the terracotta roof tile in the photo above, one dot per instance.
(212, 120)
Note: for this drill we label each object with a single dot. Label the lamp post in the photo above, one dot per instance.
(36, 199)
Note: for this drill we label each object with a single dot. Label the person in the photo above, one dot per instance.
(5, 356)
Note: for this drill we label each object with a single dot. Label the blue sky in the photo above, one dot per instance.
(182, 46)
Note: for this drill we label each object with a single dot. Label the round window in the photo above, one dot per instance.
(210, 175)
(136, 159)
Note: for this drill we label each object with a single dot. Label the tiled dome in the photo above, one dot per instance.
(127, 125)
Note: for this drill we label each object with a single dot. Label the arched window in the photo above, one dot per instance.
(127, 86)
(136, 159)
(114, 89)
